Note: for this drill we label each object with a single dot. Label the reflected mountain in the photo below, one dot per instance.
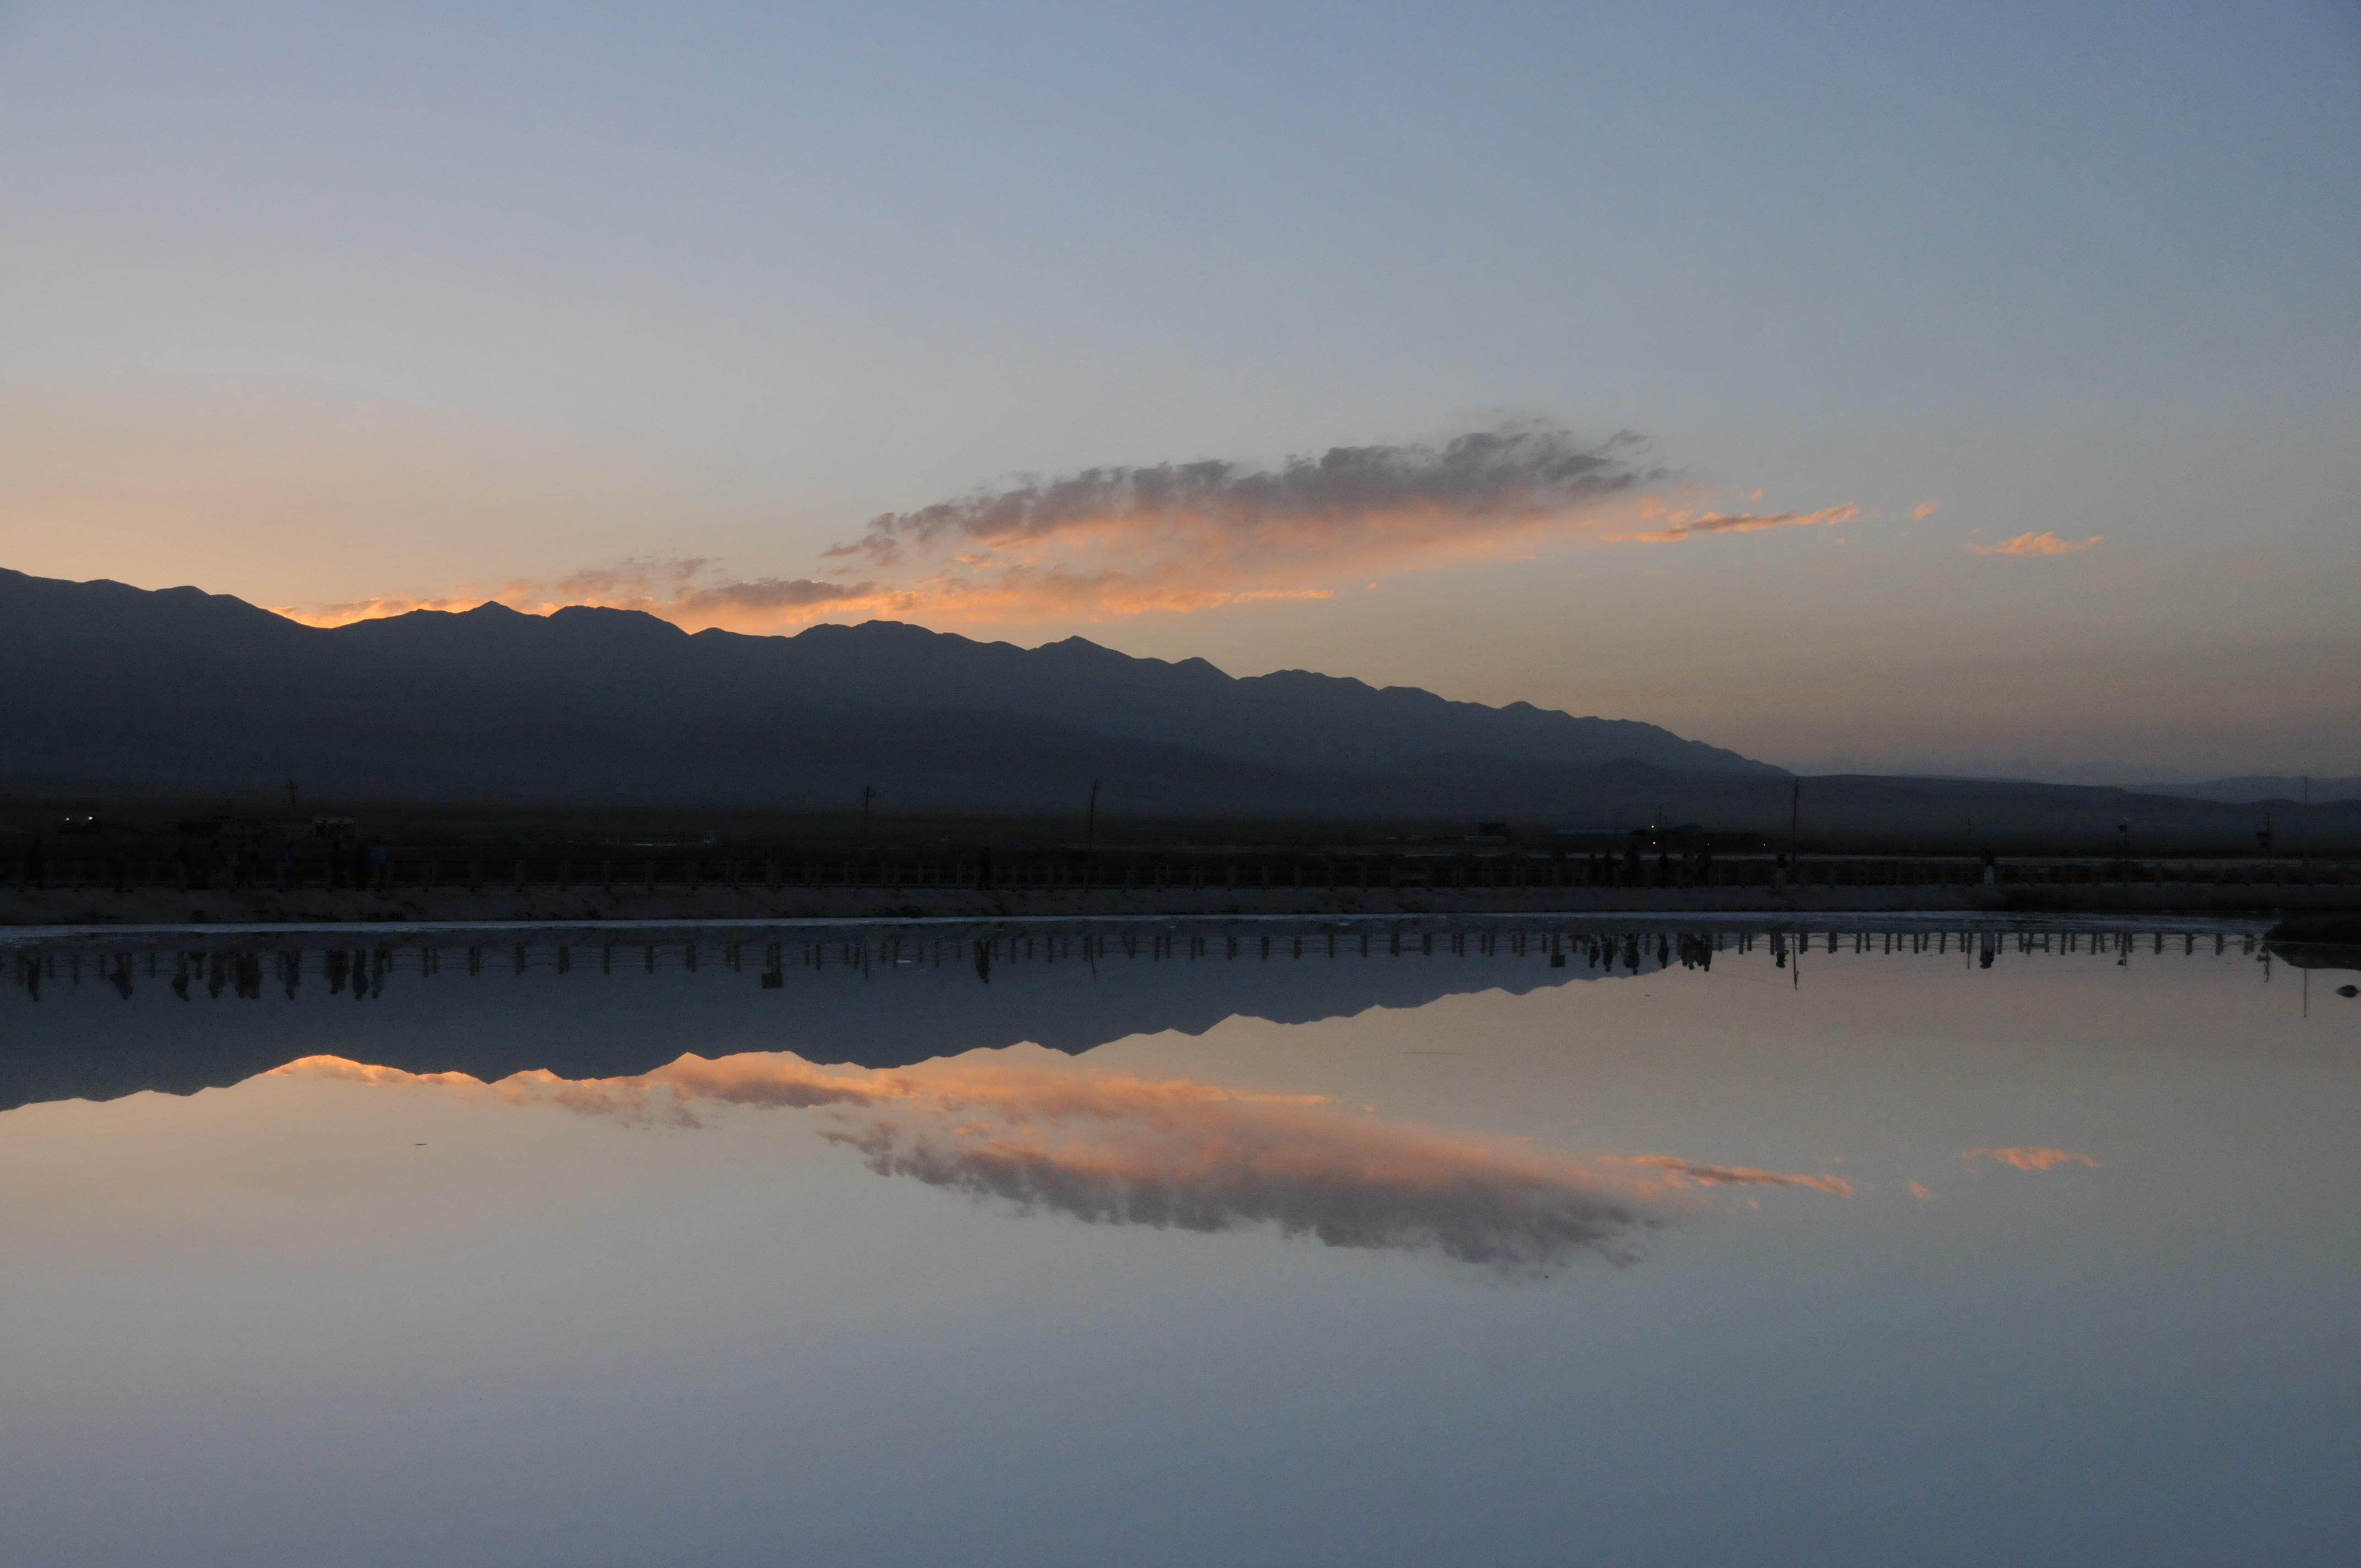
(99, 1019)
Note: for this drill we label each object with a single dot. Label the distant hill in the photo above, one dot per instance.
(2256, 788)
(115, 688)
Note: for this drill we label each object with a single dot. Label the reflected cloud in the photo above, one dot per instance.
(2032, 1159)
(1172, 1153)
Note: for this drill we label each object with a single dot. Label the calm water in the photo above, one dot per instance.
(1262, 1243)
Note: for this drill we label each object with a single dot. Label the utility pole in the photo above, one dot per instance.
(866, 792)
(294, 807)
(1091, 833)
(1795, 823)
(2305, 838)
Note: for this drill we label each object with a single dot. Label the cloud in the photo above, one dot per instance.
(670, 587)
(1171, 1153)
(1111, 543)
(1107, 543)
(1684, 1170)
(1922, 512)
(2032, 1159)
(1680, 525)
(2036, 544)
(666, 587)
(1349, 493)
(341, 612)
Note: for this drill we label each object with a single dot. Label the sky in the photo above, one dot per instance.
(1971, 389)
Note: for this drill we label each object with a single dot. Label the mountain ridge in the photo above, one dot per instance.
(179, 689)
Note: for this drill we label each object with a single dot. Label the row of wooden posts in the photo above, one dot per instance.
(774, 873)
(366, 968)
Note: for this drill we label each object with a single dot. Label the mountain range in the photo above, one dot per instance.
(2251, 788)
(113, 688)
(111, 692)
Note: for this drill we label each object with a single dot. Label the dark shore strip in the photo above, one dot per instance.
(549, 904)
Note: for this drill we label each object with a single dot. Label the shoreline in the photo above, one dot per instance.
(56, 910)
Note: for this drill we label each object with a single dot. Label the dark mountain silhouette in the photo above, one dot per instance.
(2256, 789)
(115, 689)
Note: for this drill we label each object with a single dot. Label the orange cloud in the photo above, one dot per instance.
(2032, 1159)
(1349, 499)
(2036, 544)
(1920, 1190)
(669, 588)
(1112, 543)
(1922, 512)
(1680, 525)
(1685, 1170)
(1012, 596)
(1168, 1152)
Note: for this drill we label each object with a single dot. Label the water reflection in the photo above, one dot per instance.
(505, 1233)
(602, 1004)
(1168, 1154)
(909, 1014)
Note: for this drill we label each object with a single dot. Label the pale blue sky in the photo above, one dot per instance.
(317, 303)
